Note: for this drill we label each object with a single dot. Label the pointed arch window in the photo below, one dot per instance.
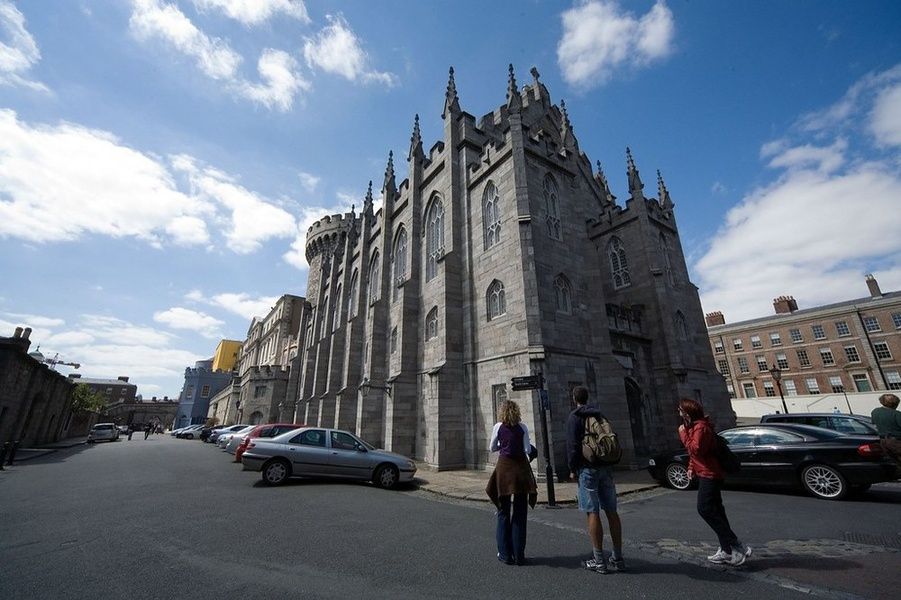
(563, 294)
(431, 324)
(336, 318)
(393, 342)
(352, 297)
(619, 265)
(496, 300)
(323, 320)
(399, 262)
(374, 278)
(434, 241)
(491, 216)
(680, 327)
(552, 208)
(665, 257)
(310, 321)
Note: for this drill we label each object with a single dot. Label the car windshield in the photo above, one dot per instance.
(103, 427)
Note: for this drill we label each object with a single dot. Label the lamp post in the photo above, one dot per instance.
(776, 372)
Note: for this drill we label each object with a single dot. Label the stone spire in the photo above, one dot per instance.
(609, 198)
(415, 142)
(566, 129)
(451, 102)
(389, 185)
(663, 194)
(635, 184)
(514, 100)
(367, 203)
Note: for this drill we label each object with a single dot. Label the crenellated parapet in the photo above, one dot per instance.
(328, 234)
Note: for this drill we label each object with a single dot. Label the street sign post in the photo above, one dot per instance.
(536, 382)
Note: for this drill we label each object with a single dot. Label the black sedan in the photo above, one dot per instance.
(827, 464)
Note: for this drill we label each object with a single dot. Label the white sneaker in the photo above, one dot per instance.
(719, 556)
(746, 550)
(738, 558)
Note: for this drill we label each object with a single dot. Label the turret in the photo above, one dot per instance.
(635, 184)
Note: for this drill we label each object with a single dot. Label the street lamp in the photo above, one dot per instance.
(776, 372)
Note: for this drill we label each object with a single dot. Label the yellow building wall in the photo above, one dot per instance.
(226, 355)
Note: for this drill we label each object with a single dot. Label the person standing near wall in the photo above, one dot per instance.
(887, 420)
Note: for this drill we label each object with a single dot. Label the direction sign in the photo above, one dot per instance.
(530, 382)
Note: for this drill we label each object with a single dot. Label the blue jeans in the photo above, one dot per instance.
(511, 533)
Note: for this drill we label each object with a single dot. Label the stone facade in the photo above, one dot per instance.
(113, 390)
(501, 254)
(157, 411)
(35, 401)
(850, 346)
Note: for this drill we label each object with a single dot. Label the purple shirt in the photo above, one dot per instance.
(511, 442)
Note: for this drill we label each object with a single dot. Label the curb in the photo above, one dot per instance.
(483, 498)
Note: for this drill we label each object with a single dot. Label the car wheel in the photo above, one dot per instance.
(276, 472)
(824, 482)
(190, 436)
(386, 477)
(677, 476)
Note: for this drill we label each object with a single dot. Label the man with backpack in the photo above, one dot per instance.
(592, 451)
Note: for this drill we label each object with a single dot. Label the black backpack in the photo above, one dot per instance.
(724, 455)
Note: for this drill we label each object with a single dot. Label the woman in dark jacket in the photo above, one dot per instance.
(698, 437)
(512, 478)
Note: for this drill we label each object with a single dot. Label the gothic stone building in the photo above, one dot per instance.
(501, 254)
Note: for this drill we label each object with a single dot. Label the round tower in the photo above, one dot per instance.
(325, 237)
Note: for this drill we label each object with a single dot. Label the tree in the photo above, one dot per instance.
(86, 400)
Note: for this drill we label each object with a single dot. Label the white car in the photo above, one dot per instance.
(235, 439)
(189, 433)
(224, 430)
(103, 431)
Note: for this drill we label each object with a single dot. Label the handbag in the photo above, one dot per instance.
(533, 452)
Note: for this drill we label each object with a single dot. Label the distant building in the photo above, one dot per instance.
(201, 384)
(35, 401)
(226, 355)
(850, 346)
(113, 390)
(140, 411)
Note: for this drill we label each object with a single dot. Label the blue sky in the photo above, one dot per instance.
(160, 160)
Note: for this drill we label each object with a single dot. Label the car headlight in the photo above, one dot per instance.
(651, 463)
(411, 465)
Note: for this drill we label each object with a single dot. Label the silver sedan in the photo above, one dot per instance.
(230, 441)
(320, 452)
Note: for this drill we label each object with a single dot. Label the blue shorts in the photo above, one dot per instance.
(597, 491)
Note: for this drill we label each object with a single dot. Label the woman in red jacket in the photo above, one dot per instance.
(698, 437)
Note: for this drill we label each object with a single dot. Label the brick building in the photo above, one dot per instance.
(851, 346)
(503, 253)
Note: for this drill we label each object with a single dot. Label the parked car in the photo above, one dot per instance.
(269, 430)
(319, 452)
(232, 441)
(214, 435)
(123, 429)
(103, 431)
(175, 432)
(189, 433)
(856, 424)
(825, 463)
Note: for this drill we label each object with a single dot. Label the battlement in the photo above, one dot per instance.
(327, 233)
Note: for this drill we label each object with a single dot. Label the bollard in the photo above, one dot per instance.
(3, 451)
(12, 453)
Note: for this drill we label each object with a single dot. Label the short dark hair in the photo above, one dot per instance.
(580, 394)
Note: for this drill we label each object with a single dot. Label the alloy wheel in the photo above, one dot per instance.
(677, 476)
(824, 482)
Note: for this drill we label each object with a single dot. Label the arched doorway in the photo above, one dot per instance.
(635, 400)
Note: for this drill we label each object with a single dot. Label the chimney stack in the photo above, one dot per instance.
(121, 378)
(18, 332)
(875, 292)
(26, 333)
(74, 375)
(785, 305)
(715, 318)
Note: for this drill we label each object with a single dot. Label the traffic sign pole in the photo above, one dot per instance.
(548, 470)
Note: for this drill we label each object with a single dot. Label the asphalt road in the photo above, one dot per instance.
(167, 518)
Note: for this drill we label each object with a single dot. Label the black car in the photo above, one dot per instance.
(826, 463)
(851, 424)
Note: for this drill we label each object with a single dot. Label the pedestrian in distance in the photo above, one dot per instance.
(887, 420)
(701, 442)
(512, 487)
(146, 431)
(131, 430)
(592, 450)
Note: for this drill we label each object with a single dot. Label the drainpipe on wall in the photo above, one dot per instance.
(872, 349)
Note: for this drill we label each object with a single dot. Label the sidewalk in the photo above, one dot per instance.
(470, 485)
(45, 449)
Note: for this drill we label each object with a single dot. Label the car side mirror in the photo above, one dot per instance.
(360, 448)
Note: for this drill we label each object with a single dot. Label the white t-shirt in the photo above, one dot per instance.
(495, 447)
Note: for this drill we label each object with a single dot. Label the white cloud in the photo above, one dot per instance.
(239, 303)
(185, 318)
(19, 52)
(254, 12)
(281, 80)
(829, 218)
(885, 120)
(153, 19)
(36, 320)
(60, 182)
(599, 37)
(336, 49)
(252, 220)
(309, 181)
